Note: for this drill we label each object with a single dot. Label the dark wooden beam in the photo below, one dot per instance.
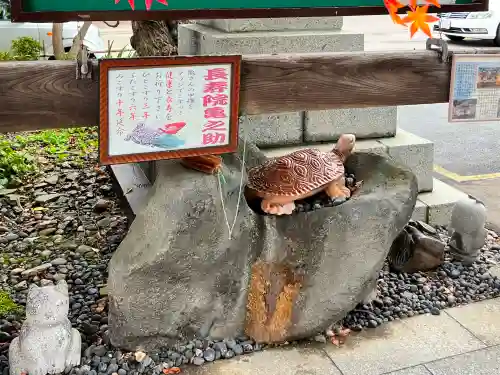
(38, 95)
(45, 94)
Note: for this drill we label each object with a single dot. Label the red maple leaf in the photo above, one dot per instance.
(420, 20)
(416, 16)
(148, 3)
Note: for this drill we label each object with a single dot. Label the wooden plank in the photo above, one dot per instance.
(288, 83)
(316, 82)
(45, 94)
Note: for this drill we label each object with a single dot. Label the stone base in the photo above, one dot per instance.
(420, 211)
(415, 152)
(196, 39)
(289, 35)
(284, 129)
(274, 24)
(432, 207)
(277, 278)
(365, 123)
(440, 202)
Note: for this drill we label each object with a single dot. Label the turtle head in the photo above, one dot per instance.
(345, 144)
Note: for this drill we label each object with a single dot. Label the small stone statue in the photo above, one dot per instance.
(414, 251)
(282, 181)
(47, 343)
(466, 230)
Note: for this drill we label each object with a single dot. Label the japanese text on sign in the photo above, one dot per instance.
(168, 108)
(215, 101)
(475, 88)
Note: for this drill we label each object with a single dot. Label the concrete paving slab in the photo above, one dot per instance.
(486, 191)
(415, 152)
(293, 361)
(420, 212)
(403, 344)
(465, 148)
(481, 362)
(440, 202)
(419, 370)
(482, 319)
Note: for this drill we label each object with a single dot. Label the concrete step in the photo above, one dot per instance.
(408, 149)
(196, 39)
(435, 207)
(291, 129)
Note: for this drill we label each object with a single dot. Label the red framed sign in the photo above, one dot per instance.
(167, 107)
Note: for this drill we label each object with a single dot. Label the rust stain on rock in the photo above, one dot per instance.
(273, 291)
(256, 304)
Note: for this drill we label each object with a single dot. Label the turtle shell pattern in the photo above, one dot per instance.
(297, 173)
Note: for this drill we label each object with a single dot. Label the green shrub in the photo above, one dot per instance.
(22, 49)
(5, 56)
(26, 48)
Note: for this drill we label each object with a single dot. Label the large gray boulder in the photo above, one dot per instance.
(178, 274)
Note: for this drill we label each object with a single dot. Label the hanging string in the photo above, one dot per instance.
(221, 178)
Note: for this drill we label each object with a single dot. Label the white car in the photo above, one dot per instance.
(457, 26)
(42, 32)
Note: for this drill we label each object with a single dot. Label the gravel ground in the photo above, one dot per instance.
(66, 223)
(402, 295)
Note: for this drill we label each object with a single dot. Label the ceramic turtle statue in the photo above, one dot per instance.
(282, 181)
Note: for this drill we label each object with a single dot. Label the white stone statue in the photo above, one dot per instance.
(466, 230)
(47, 343)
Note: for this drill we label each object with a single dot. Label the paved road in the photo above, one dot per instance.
(382, 34)
(466, 154)
(465, 148)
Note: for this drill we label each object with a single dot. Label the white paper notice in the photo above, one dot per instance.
(168, 108)
(475, 88)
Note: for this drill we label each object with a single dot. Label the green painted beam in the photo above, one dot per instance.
(66, 10)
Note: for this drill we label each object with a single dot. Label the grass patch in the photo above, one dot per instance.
(8, 306)
(19, 153)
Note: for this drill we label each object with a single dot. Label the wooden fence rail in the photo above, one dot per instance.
(45, 94)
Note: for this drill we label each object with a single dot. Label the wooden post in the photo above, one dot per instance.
(45, 94)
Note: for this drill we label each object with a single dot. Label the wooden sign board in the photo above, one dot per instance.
(475, 88)
(107, 10)
(167, 107)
